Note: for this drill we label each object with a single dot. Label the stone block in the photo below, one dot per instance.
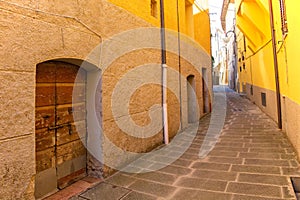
(105, 191)
(121, 180)
(225, 160)
(17, 168)
(223, 153)
(263, 179)
(158, 177)
(256, 169)
(172, 169)
(138, 196)
(211, 166)
(280, 163)
(260, 155)
(16, 104)
(204, 184)
(215, 175)
(201, 195)
(157, 189)
(255, 189)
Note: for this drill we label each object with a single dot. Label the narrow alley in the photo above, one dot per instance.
(251, 160)
(149, 99)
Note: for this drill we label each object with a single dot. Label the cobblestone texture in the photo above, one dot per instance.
(252, 159)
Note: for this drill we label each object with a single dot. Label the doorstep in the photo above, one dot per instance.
(76, 188)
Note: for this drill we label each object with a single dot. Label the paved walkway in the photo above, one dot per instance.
(251, 160)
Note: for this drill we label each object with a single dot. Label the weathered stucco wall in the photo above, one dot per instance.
(36, 31)
(289, 109)
(29, 37)
(270, 108)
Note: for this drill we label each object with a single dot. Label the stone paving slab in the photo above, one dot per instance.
(250, 159)
(105, 191)
(154, 188)
(254, 189)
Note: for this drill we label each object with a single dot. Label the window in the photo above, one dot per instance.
(263, 99)
(284, 27)
(154, 8)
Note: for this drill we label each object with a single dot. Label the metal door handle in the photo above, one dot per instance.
(55, 127)
(61, 126)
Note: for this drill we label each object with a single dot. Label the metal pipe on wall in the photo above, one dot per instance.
(278, 96)
(164, 74)
(179, 64)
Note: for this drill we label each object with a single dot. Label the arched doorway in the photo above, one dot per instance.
(205, 92)
(60, 139)
(192, 99)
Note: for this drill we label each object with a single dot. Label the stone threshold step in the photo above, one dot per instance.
(75, 189)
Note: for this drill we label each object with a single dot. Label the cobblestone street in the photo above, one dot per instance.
(251, 159)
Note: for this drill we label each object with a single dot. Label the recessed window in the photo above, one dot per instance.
(263, 99)
(284, 26)
(154, 8)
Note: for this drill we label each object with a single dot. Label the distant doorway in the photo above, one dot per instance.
(192, 99)
(205, 91)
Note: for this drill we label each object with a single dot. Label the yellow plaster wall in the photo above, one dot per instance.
(202, 30)
(198, 27)
(261, 58)
(139, 8)
(289, 59)
(143, 10)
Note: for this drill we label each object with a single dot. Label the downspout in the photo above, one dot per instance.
(235, 58)
(275, 65)
(179, 64)
(164, 73)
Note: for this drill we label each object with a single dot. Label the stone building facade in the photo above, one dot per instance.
(62, 83)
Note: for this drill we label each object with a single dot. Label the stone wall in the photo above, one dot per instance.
(271, 106)
(289, 109)
(291, 121)
(36, 31)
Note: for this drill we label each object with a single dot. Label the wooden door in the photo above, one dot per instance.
(60, 141)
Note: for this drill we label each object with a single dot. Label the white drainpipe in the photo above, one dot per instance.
(164, 74)
(165, 105)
